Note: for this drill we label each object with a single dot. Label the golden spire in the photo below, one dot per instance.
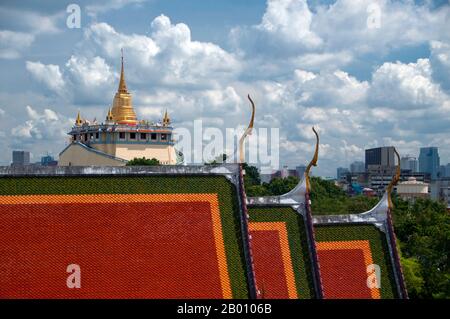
(166, 119)
(122, 110)
(78, 121)
(122, 84)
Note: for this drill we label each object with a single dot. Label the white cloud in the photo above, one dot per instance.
(440, 62)
(344, 24)
(168, 57)
(405, 86)
(281, 24)
(46, 126)
(13, 44)
(49, 74)
(90, 73)
(2, 112)
(290, 35)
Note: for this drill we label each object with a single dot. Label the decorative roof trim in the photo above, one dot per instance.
(247, 132)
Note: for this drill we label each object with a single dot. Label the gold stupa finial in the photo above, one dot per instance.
(78, 121)
(313, 161)
(394, 180)
(248, 131)
(122, 84)
(122, 110)
(166, 119)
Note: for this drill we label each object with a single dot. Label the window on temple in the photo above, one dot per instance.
(143, 136)
(97, 136)
(163, 137)
(132, 136)
(153, 136)
(122, 135)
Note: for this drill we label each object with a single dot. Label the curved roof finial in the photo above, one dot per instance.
(247, 132)
(313, 161)
(394, 180)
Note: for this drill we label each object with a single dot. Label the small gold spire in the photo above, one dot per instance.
(166, 119)
(78, 121)
(109, 117)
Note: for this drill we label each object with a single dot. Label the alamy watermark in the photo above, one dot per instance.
(207, 144)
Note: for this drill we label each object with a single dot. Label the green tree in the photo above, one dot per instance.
(279, 186)
(251, 177)
(143, 162)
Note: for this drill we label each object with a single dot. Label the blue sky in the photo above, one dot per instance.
(305, 62)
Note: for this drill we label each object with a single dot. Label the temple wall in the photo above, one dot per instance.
(164, 153)
(76, 155)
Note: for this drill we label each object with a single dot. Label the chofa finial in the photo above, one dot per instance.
(394, 180)
(247, 132)
(313, 161)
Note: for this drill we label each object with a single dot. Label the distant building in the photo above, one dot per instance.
(341, 173)
(48, 161)
(440, 190)
(357, 167)
(284, 173)
(412, 189)
(20, 158)
(429, 161)
(409, 163)
(380, 156)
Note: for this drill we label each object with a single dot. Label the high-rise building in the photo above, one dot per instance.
(380, 156)
(429, 161)
(409, 163)
(341, 172)
(357, 167)
(20, 158)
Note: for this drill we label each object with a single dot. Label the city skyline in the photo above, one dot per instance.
(305, 63)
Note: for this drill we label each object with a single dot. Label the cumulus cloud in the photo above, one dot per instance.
(337, 34)
(48, 74)
(377, 26)
(285, 29)
(13, 44)
(41, 127)
(405, 86)
(168, 56)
